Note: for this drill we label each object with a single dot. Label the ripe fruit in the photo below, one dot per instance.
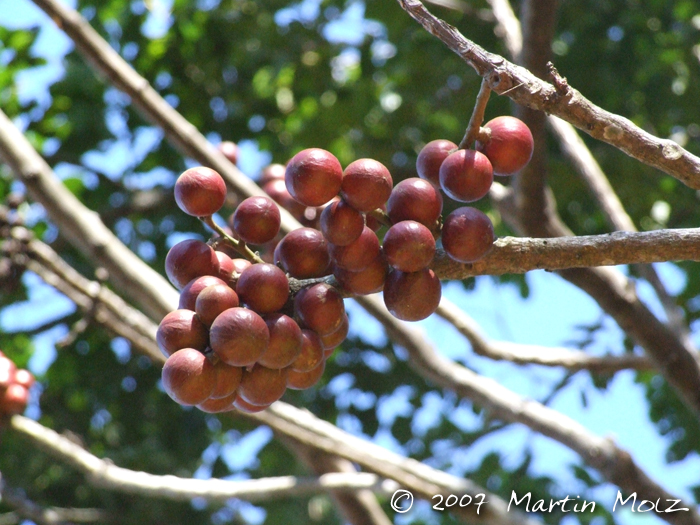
(188, 377)
(228, 378)
(241, 404)
(218, 405)
(277, 190)
(409, 246)
(366, 281)
(272, 172)
(256, 220)
(285, 342)
(225, 266)
(313, 176)
(14, 399)
(320, 307)
(200, 191)
(466, 175)
(467, 234)
(262, 386)
(341, 224)
(181, 329)
(7, 372)
(357, 255)
(366, 185)
(189, 294)
(213, 300)
(510, 146)
(431, 157)
(230, 150)
(239, 336)
(303, 380)
(303, 253)
(263, 287)
(24, 378)
(412, 296)
(189, 259)
(311, 352)
(416, 200)
(330, 341)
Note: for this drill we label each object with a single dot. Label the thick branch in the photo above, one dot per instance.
(105, 474)
(563, 101)
(532, 354)
(82, 227)
(602, 454)
(520, 255)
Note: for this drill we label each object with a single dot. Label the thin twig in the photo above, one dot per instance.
(666, 155)
(473, 129)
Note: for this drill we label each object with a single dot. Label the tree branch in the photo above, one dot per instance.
(82, 227)
(563, 101)
(522, 354)
(105, 474)
(612, 462)
(523, 254)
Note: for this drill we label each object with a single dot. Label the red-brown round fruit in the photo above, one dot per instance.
(303, 253)
(263, 287)
(14, 399)
(467, 234)
(219, 404)
(189, 294)
(189, 259)
(510, 146)
(272, 172)
(24, 378)
(412, 296)
(357, 255)
(366, 281)
(256, 220)
(277, 190)
(311, 352)
(409, 246)
(188, 377)
(366, 185)
(181, 329)
(341, 224)
(239, 336)
(228, 378)
(415, 199)
(242, 405)
(431, 158)
(313, 176)
(466, 175)
(330, 341)
(230, 150)
(263, 386)
(200, 191)
(239, 265)
(7, 372)
(225, 266)
(320, 308)
(285, 342)
(213, 300)
(303, 380)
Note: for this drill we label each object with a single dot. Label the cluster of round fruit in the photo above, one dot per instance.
(239, 338)
(14, 387)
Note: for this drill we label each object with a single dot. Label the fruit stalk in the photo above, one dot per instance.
(239, 246)
(474, 127)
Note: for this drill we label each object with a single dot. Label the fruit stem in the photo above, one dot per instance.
(477, 118)
(239, 246)
(381, 216)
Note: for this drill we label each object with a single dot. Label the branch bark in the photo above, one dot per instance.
(82, 227)
(105, 474)
(536, 355)
(563, 101)
(602, 454)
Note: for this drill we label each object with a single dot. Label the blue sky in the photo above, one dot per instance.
(550, 316)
